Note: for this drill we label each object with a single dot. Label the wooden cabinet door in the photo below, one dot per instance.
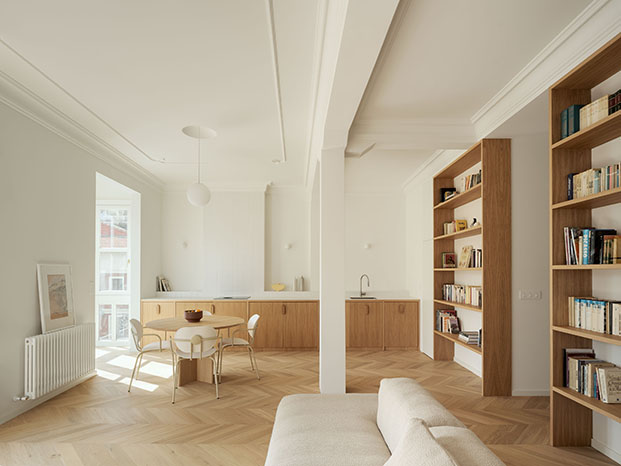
(232, 309)
(301, 325)
(270, 326)
(149, 311)
(401, 325)
(364, 325)
(182, 306)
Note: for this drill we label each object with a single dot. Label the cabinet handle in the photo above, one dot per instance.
(213, 308)
(157, 306)
(401, 308)
(284, 309)
(368, 309)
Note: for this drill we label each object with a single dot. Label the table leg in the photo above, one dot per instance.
(195, 369)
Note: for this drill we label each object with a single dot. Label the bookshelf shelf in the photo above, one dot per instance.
(599, 133)
(453, 304)
(462, 198)
(603, 337)
(588, 267)
(454, 339)
(603, 199)
(570, 411)
(461, 234)
(494, 158)
(613, 411)
(457, 269)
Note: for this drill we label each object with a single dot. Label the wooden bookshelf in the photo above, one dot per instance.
(453, 338)
(454, 304)
(494, 155)
(570, 411)
(461, 199)
(461, 234)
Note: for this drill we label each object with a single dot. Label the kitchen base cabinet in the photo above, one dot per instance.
(401, 325)
(270, 331)
(153, 311)
(364, 325)
(301, 326)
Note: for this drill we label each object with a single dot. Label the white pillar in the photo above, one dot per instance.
(332, 271)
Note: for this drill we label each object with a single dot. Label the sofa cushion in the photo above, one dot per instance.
(418, 447)
(327, 430)
(463, 445)
(402, 399)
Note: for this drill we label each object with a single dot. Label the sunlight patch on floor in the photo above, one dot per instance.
(124, 361)
(157, 369)
(99, 353)
(107, 375)
(142, 385)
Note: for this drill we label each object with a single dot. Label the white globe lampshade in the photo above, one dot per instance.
(198, 194)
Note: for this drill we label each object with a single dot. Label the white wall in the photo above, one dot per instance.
(376, 219)
(47, 203)
(287, 222)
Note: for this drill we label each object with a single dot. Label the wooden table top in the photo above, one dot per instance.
(175, 323)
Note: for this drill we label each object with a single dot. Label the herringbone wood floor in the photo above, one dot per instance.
(99, 423)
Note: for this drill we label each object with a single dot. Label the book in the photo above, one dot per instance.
(573, 119)
(570, 186)
(469, 337)
(462, 294)
(564, 124)
(574, 352)
(443, 320)
(465, 256)
(610, 384)
(584, 246)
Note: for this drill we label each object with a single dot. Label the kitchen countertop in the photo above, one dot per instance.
(275, 296)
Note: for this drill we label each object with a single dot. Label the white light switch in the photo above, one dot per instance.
(526, 295)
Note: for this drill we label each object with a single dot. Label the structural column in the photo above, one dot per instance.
(332, 271)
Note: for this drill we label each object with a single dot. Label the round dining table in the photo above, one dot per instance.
(195, 369)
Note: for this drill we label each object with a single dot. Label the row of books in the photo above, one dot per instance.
(462, 294)
(455, 226)
(593, 181)
(470, 181)
(470, 337)
(577, 117)
(594, 314)
(470, 257)
(447, 321)
(592, 377)
(584, 246)
(162, 284)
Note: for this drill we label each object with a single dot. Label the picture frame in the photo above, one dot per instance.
(55, 297)
(449, 260)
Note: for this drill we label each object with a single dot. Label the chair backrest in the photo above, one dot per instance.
(253, 323)
(195, 340)
(136, 333)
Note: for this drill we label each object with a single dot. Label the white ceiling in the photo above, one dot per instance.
(147, 69)
(150, 68)
(444, 60)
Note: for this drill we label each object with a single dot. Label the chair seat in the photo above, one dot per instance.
(234, 342)
(155, 346)
(196, 354)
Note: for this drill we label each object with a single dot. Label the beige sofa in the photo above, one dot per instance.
(401, 425)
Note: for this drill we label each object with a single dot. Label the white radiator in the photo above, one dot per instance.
(58, 358)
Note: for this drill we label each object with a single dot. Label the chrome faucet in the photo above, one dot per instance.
(363, 293)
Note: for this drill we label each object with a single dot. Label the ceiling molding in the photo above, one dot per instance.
(406, 184)
(594, 26)
(320, 32)
(181, 188)
(411, 134)
(21, 99)
(276, 70)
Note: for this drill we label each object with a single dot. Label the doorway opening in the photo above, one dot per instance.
(117, 261)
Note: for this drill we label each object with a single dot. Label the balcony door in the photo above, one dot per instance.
(112, 281)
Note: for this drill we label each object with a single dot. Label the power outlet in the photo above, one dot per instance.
(526, 295)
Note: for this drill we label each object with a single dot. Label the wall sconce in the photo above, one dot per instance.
(287, 245)
(366, 245)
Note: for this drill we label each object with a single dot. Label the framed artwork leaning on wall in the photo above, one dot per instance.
(55, 296)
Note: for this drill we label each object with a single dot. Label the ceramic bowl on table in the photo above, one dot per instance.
(193, 315)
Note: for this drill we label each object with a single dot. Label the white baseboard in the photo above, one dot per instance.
(606, 450)
(531, 392)
(23, 406)
(470, 367)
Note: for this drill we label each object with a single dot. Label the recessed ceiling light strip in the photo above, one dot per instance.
(272, 32)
